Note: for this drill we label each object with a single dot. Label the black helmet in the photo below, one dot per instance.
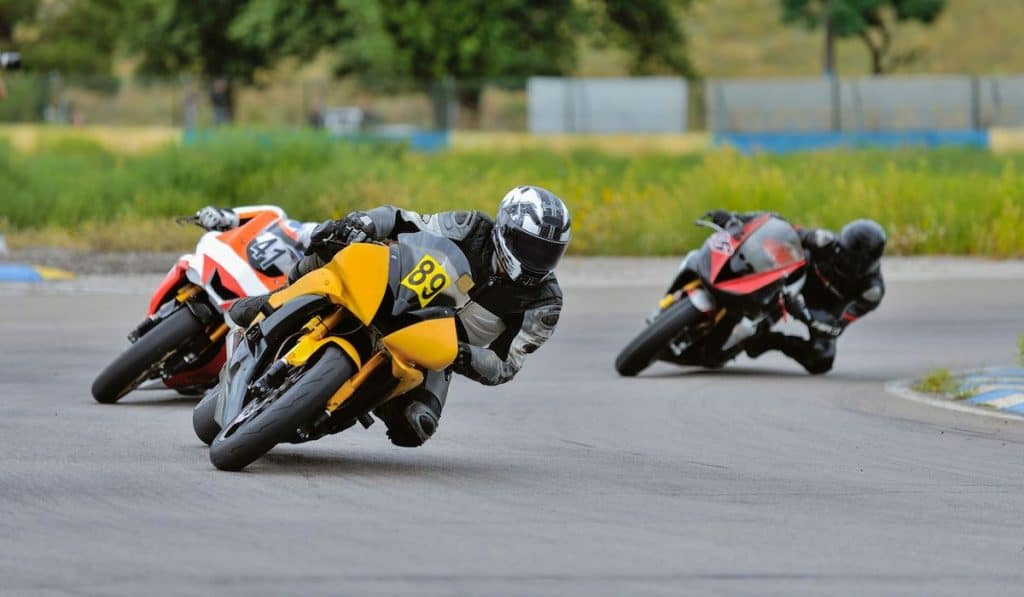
(858, 248)
(531, 233)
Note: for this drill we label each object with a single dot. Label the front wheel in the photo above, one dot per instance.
(263, 423)
(649, 343)
(203, 421)
(139, 362)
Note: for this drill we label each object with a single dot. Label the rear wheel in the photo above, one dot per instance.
(642, 350)
(264, 423)
(140, 361)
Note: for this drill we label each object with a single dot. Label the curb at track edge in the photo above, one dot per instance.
(902, 389)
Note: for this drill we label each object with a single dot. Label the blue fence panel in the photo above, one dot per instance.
(783, 142)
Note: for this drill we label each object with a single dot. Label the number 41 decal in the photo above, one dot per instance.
(427, 280)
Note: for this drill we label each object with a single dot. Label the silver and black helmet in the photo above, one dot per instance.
(531, 233)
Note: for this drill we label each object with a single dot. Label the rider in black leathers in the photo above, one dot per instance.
(844, 283)
(513, 307)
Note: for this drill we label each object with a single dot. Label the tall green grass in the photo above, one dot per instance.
(937, 201)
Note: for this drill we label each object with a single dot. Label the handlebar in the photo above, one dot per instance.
(183, 220)
(709, 224)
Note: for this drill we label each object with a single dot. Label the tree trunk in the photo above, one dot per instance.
(876, 62)
(829, 63)
(442, 97)
(469, 104)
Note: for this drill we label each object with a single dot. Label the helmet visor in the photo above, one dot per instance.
(851, 264)
(536, 255)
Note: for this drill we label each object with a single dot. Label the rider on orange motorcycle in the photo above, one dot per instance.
(226, 218)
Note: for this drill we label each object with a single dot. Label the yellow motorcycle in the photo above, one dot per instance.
(340, 342)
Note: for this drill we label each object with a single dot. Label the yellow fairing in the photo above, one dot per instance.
(357, 278)
(319, 281)
(308, 346)
(432, 344)
(407, 375)
(316, 337)
(363, 270)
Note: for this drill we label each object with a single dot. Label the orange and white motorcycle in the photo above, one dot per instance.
(180, 343)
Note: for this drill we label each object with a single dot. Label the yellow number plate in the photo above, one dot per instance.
(427, 280)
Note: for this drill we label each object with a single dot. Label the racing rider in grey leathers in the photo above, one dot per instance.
(513, 307)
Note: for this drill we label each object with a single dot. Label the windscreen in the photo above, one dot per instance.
(431, 271)
(774, 245)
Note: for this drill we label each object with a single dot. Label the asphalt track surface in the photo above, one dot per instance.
(756, 479)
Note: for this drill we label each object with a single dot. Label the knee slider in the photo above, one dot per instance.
(819, 366)
(415, 424)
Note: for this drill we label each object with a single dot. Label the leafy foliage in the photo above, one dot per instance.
(79, 37)
(870, 20)
(650, 31)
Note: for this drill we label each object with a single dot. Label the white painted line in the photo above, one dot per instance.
(901, 388)
(1005, 401)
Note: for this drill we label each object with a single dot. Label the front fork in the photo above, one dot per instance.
(184, 294)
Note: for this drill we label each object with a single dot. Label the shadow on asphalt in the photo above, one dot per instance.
(164, 400)
(384, 464)
(753, 373)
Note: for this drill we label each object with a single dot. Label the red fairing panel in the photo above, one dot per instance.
(199, 376)
(171, 281)
(724, 245)
(210, 267)
(755, 282)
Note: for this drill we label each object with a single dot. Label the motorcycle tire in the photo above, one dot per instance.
(203, 422)
(132, 367)
(234, 448)
(649, 343)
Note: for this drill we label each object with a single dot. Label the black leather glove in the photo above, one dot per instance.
(331, 236)
(823, 324)
(719, 217)
(463, 364)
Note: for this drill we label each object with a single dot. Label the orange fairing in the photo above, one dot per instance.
(432, 343)
(239, 238)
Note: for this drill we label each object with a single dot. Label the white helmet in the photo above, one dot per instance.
(531, 233)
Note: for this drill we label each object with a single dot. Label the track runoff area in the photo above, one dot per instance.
(756, 478)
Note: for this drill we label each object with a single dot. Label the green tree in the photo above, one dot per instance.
(78, 37)
(873, 21)
(228, 41)
(13, 13)
(650, 31)
(466, 42)
(433, 44)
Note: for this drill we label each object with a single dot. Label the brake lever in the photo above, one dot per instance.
(183, 220)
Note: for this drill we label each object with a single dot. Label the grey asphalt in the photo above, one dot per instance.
(755, 479)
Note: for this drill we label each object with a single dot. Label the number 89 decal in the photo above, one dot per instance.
(427, 280)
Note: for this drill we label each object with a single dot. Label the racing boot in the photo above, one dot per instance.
(411, 421)
(762, 341)
(246, 309)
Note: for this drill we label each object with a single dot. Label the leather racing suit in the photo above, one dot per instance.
(827, 303)
(501, 324)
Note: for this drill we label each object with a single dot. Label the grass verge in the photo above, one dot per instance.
(941, 381)
(75, 192)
